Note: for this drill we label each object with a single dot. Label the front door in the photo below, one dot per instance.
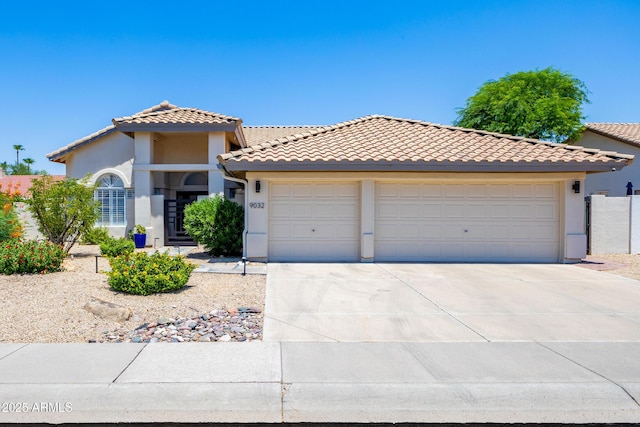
(175, 235)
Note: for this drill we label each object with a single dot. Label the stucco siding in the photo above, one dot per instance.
(175, 148)
(113, 152)
(611, 183)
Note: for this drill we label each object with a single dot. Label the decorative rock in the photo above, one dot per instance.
(108, 310)
(219, 325)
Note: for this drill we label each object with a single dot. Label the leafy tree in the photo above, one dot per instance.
(216, 223)
(63, 209)
(542, 104)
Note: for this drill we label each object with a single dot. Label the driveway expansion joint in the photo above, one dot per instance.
(142, 347)
(435, 304)
(592, 371)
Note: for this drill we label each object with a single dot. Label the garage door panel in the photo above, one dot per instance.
(345, 211)
(386, 211)
(453, 210)
(503, 222)
(314, 222)
(409, 210)
(498, 191)
(430, 191)
(279, 190)
(476, 210)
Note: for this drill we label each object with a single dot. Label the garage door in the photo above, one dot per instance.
(467, 222)
(314, 222)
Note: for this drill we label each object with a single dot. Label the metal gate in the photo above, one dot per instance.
(174, 233)
(587, 221)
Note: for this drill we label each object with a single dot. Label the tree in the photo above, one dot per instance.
(18, 149)
(28, 161)
(63, 209)
(542, 104)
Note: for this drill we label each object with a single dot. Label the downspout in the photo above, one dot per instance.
(226, 175)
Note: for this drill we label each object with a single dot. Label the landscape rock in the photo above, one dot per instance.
(108, 310)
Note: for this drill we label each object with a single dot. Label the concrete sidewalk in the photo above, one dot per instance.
(501, 382)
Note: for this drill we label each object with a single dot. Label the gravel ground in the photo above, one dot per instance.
(625, 265)
(49, 308)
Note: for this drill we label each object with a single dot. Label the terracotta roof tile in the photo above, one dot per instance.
(625, 132)
(258, 134)
(373, 142)
(176, 115)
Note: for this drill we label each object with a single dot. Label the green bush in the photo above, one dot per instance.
(30, 256)
(111, 247)
(95, 236)
(142, 274)
(216, 223)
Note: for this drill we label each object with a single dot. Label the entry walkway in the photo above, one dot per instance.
(272, 382)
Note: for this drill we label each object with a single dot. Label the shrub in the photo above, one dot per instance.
(216, 223)
(111, 247)
(10, 227)
(30, 256)
(142, 274)
(95, 236)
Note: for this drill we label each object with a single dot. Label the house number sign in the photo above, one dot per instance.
(256, 205)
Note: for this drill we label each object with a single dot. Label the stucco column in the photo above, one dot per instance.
(216, 146)
(142, 182)
(575, 244)
(258, 213)
(367, 219)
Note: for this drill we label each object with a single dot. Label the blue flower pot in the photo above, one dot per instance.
(140, 240)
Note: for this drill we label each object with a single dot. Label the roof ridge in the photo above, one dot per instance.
(612, 123)
(281, 126)
(172, 109)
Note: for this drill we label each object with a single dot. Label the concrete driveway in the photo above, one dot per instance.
(448, 303)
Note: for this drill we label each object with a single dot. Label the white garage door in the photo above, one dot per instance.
(314, 222)
(467, 222)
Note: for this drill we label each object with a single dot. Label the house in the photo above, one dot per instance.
(617, 137)
(376, 188)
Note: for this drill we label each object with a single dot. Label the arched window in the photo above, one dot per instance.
(113, 205)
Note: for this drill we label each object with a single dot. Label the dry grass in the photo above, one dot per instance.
(49, 308)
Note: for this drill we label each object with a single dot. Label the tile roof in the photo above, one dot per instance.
(380, 142)
(625, 132)
(182, 116)
(58, 155)
(258, 134)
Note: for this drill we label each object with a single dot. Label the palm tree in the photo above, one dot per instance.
(18, 149)
(28, 161)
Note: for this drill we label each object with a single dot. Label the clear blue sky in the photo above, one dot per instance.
(68, 68)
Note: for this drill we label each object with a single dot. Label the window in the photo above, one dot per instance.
(112, 197)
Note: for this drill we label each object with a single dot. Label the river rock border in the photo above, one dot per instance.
(242, 324)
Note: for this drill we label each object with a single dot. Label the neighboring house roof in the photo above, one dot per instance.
(625, 132)
(22, 182)
(259, 134)
(389, 143)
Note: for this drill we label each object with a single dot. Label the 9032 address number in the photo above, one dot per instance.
(256, 205)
